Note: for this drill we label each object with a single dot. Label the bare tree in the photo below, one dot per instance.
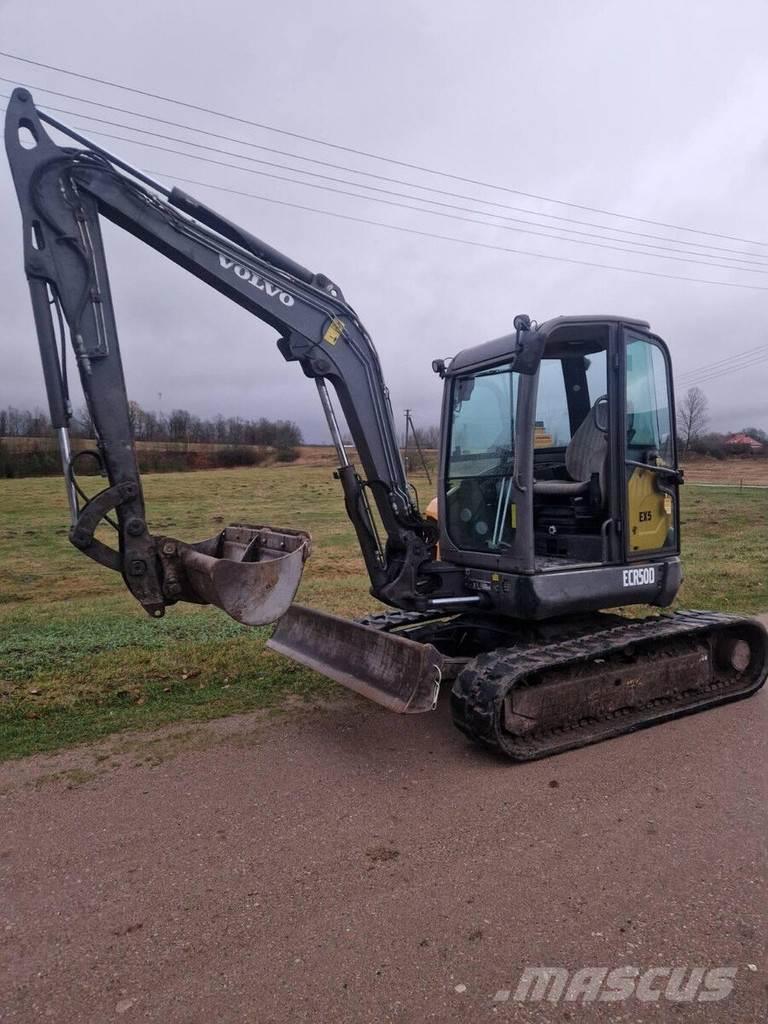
(179, 426)
(692, 417)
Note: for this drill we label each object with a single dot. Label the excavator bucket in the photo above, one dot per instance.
(250, 572)
(400, 674)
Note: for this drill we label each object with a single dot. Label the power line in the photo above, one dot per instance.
(726, 371)
(401, 195)
(707, 373)
(384, 177)
(372, 156)
(725, 361)
(417, 209)
(467, 241)
(728, 360)
(715, 375)
(426, 234)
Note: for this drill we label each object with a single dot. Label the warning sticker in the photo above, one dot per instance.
(333, 331)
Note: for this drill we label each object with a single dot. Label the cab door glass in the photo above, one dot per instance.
(651, 495)
(480, 512)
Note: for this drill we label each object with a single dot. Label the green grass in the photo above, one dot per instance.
(725, 548)
(80, 660)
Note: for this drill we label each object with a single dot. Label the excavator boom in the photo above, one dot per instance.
(250, 571)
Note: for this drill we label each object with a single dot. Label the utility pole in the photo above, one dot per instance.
(410, 427)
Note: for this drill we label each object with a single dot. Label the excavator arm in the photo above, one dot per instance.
(250, 571)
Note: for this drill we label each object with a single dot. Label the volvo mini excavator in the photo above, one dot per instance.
(558, 483)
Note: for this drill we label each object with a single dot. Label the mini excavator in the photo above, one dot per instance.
(558, 492)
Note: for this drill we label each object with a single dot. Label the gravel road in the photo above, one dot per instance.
(343, 864)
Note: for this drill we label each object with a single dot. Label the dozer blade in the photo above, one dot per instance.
(250, 572)
(398, 673)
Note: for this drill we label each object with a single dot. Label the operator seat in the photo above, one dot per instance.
(585, 456)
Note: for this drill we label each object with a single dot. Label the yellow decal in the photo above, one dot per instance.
(513, 516)
(333, 331)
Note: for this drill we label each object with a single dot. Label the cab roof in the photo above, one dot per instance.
(567, 328)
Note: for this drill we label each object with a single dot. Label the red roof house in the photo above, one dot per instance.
(744, 441)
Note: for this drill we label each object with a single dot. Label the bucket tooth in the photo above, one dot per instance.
(402, 675)
(250, 572)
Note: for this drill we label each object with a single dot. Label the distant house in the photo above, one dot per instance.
(744, 441)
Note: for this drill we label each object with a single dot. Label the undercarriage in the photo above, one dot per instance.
(529, 690)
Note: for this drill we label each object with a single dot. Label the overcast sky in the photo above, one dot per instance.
(657, 110)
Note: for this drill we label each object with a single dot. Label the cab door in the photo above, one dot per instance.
(651, 477)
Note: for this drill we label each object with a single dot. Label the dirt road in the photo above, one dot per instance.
(347, 865)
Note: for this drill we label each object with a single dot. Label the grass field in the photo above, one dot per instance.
(747, 470)
(79, 659)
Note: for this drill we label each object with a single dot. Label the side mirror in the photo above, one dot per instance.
(601, 414)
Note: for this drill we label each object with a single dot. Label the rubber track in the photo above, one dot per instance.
(478, 693)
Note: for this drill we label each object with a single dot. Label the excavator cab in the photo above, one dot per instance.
(559, 462)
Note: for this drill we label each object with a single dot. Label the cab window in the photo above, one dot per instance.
(568, 388)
